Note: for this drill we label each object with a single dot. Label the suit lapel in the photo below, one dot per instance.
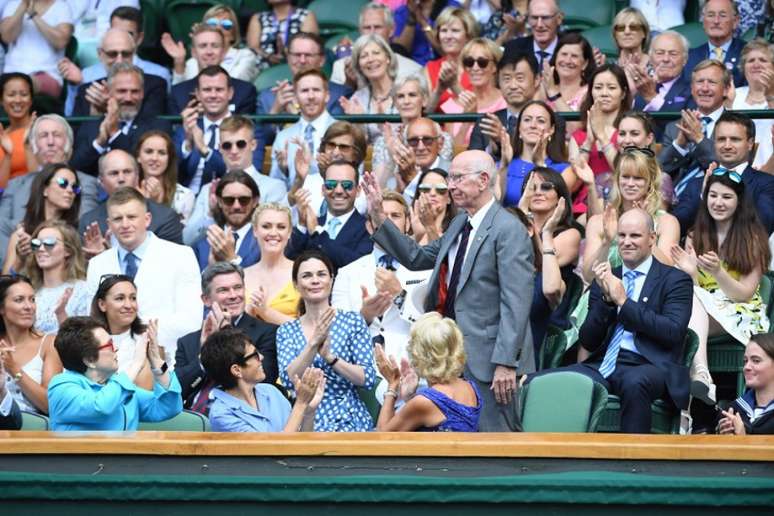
(651, 280)
(481, 234)
(455, 227)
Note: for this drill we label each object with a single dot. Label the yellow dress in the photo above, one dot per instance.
(285, 302)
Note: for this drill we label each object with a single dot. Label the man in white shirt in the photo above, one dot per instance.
(545, 19)
(166, 274)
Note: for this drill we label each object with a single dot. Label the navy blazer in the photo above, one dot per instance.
(188, 367)
(758, 187)
(85, 156)
(244, 98)
(165, 222)
(153, 103)
(677, 98)
(248, 250)
(733, 60)
(352, 241)
(659, 322)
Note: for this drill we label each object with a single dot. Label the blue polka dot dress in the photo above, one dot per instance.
(341, 409)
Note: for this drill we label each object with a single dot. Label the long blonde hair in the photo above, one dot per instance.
(75, 264)
(638, 163)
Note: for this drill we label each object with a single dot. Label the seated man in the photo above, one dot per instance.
(720, 19)
(208, 47)
(635, 328)
(223, 292)
(230, 238)
(123, 122)
(166, 274)
(340, 232)
(669, 90)
(425, 141)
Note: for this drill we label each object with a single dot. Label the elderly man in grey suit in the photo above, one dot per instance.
(51, 139)
(482, 277)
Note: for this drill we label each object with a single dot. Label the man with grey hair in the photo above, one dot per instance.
(720, 18)
(669, 89)
(51, 141)
(122, 125)
(223, 294)
(375, 18)
(420, 151)
(483, 278)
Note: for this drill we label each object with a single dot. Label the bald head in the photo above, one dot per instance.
(470, 177)
(117, 47)
(636, 237)
(118, 168)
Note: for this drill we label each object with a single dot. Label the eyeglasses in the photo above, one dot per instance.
(64, 183)
(113, 54)
(346, 184)
(544, 186)
(733, 176)
(545, 19)
(303, 55)
(630, 26)
(439, 188)
(214, 22)
(482, 62)
(427, 141)
(631, 149)
(243, 200)
(341, 147)
(108, 345)
(49, 243)
(240, 144)
(456, 178)
(254, 354)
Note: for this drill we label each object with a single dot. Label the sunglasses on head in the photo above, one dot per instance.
(113, 54)
(631, 149)
(108, 345)
(64, 183)
(36, 243)
(124, 277)
(482, 62)
(427, 141)
(214, 22)
(544, 186)
(439, 188)
(733, 176)
(240, 144)
(346, 184)
(243, 200)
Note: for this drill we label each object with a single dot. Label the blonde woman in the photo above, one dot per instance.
(450, 403)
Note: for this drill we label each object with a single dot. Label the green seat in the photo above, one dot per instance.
(602, 38)
(561, 402)
(336, 17)
(665, 418)
(181, 15)
(579, 15)
(33, 422)
(725, 354)
(269, 77)
(186, 421)
(333, 41)
(693, 32)
(152, 28)
(368, 397)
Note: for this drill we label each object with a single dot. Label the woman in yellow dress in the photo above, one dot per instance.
(269, 288)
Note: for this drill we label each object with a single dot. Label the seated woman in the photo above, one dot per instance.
(92, 395)
(242, 403)
(30, 360)
(568, 73)
(335, 341)
(16, 99)
(115, 307)
(726, 255)
(535, 142)
(751, 413)
(269, 288)
(158, 173)
(446, 76)
(57, 272)
(269, 31)
(450, 403)
(432, 209)
(631, 34)
(54, 194)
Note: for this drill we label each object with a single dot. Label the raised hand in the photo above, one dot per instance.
(685, 260)
(426, 213)
(154, 352)
(388, 367)
(93, 241)
(374, 306)
(584, 172)
(550, 87)
(307, 387)
(468, 101)
(710, 170)
(306, 214)
(222, 244)
(529, 193)
(609, 224)
(321, 332)
(23, 240)
(491, 126)
(303, 157)
(387, 281)
(555, 218)
(174, 49)
(258, 299)
(69, 71)
(731, 423)
(351, 106)
(710, 262)
(447, 76)
(152, 189)
(373, 193)
(97, 96)
(281, 155)
(539, 153)
(109, 125)
(61, 306)
(409, 380)
(506, 148)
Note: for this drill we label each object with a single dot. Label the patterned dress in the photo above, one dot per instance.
(271, 28)
(47, 298)
(341, 409)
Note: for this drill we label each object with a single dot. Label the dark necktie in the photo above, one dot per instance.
(542, 55)
(451, 293)
(131, 265)
(201, 403)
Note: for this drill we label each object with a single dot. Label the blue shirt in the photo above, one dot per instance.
(77, 403)
(230, 414)
(139, 252)
(517, 172)
(628, 337)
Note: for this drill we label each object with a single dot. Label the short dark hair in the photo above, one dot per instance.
(220, 351)
(341, 128)
(7, 77)
(218, 269)
(731, 117)
(514, 58)
(106, 283)
(213, 71)
(131, 14)
(306, 35)
(124, 195)
(75, 342)
(340, 162)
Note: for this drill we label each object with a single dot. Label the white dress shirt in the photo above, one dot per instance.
(475, 222)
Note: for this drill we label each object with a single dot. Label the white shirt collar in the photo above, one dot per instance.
(642, 268)
(341, 218)
(478, 218)
(740, 168)
(320, 123)
(550, 48)
(252, 172)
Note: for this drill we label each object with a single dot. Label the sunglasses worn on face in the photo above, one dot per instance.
(632, 26)
(64, 183)
(482, 62)
(733, 176)
(246, 358)
(341, 147)
(240, 144)
(346, 184)
(214, 22)
(243, 200)
(642, 150)
(108, 345)
(36, 243)
(427, 141)
(113, 54)
(439, 188)
(545, 186)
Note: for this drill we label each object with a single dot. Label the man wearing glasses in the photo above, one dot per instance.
(545, 19)
(720, 19)
(423, 152)
(341, 232)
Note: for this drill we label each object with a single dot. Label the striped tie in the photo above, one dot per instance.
(611, 355)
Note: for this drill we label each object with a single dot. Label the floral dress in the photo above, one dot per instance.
(341, 409)
(271, 29)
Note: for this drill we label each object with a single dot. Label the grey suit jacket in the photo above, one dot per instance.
(674, 163)
(494, 294)
(14, 203)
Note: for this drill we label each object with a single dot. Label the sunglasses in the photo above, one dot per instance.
(545, 186)
(113, 54)
(346, 184)
(733, 176)
(240, 144)
(427, 141)
(214, 22)
(123, 277)
(109, 345)
(49, 243)
(243, 200)
(439, 188)
(642, 150)
(64, 183)
(342, 147)
(254, 354)
(482, 62)
(631, 26)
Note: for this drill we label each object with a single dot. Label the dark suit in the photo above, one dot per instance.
(248, 250)
(351, 242)
(675, 164)
(189, 369)
(244, 98)
(677, 98)
(732, 60)
(85, 156)
(523, 45)
(13, 421)
(165, 222)
(153, 104)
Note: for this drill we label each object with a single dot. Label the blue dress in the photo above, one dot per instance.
(517, 172)
(459, 417)
(341, 409)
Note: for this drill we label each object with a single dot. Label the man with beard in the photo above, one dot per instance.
(121, 126)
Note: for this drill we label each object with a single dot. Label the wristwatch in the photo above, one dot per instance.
(400, 299)
(333, 362)
(161, 370)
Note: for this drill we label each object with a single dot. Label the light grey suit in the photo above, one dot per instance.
(13, 204)
(494, 296)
